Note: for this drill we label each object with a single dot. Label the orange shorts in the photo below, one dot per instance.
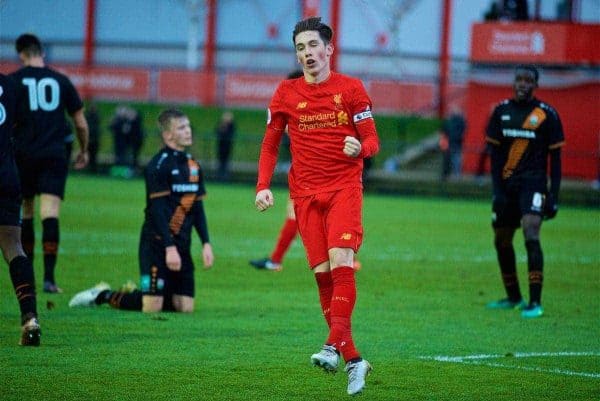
(329, 220)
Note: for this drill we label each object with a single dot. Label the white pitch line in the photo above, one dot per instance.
(535, 369)
(481, 360)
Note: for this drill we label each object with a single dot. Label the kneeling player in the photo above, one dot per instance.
(174, 193)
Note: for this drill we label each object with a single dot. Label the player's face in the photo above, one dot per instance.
(313, 54)
(524, 85)
(179, 135)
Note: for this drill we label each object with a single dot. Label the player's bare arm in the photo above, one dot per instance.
(207, 256)
(82, 130)
(264, 199)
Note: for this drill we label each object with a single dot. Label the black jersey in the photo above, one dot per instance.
(8, 108)
(524, 132)
(174, 192)
(49, 94)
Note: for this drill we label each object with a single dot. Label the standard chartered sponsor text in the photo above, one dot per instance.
(317, 121)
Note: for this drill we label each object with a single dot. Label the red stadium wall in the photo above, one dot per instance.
(403, 97)
(578, 107)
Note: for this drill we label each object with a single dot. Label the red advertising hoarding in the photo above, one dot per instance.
(187, 86)
(401, 97)
(535, 42)
(109, 83)
(411, 97)
(250, 89)
(102, 82)
(8, 67)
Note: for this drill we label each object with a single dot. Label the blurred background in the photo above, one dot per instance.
(422, 62)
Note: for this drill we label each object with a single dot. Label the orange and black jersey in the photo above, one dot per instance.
(49, 94)
(523, 133)
(174, 193)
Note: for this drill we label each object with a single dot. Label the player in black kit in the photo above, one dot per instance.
(523, 133)
(174, 193)
(40, 147)
(20, 268)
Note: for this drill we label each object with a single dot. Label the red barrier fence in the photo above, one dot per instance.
(238, 89)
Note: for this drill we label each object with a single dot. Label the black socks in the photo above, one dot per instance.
(21, 275)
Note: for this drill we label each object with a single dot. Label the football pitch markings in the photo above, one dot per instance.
(488, 360)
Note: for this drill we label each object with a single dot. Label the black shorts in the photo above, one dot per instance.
(156, 278)
(10, 194)
(523, 198)
(10, 212)
(43, 176)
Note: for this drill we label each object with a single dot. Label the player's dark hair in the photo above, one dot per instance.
(165, 117)
(29, 44)
(530, 68)
(295, 74)
(313, 24)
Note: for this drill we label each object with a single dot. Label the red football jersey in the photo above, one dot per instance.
(318, 117)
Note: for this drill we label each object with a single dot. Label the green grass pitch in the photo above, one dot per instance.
(428, 270)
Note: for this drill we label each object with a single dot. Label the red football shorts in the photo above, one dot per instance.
(329, 220)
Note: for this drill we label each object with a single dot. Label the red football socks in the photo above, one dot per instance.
(286, 236)
(342, 305)
(325, 284)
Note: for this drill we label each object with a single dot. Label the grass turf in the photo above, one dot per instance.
(428, 270)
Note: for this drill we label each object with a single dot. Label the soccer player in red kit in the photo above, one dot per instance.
(288, 231)
(331, 131)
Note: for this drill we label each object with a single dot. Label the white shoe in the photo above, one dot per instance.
(88, 297)
(326, 359)
(357, 373)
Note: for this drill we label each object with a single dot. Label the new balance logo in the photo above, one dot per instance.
(346, 236)
(302, 105)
